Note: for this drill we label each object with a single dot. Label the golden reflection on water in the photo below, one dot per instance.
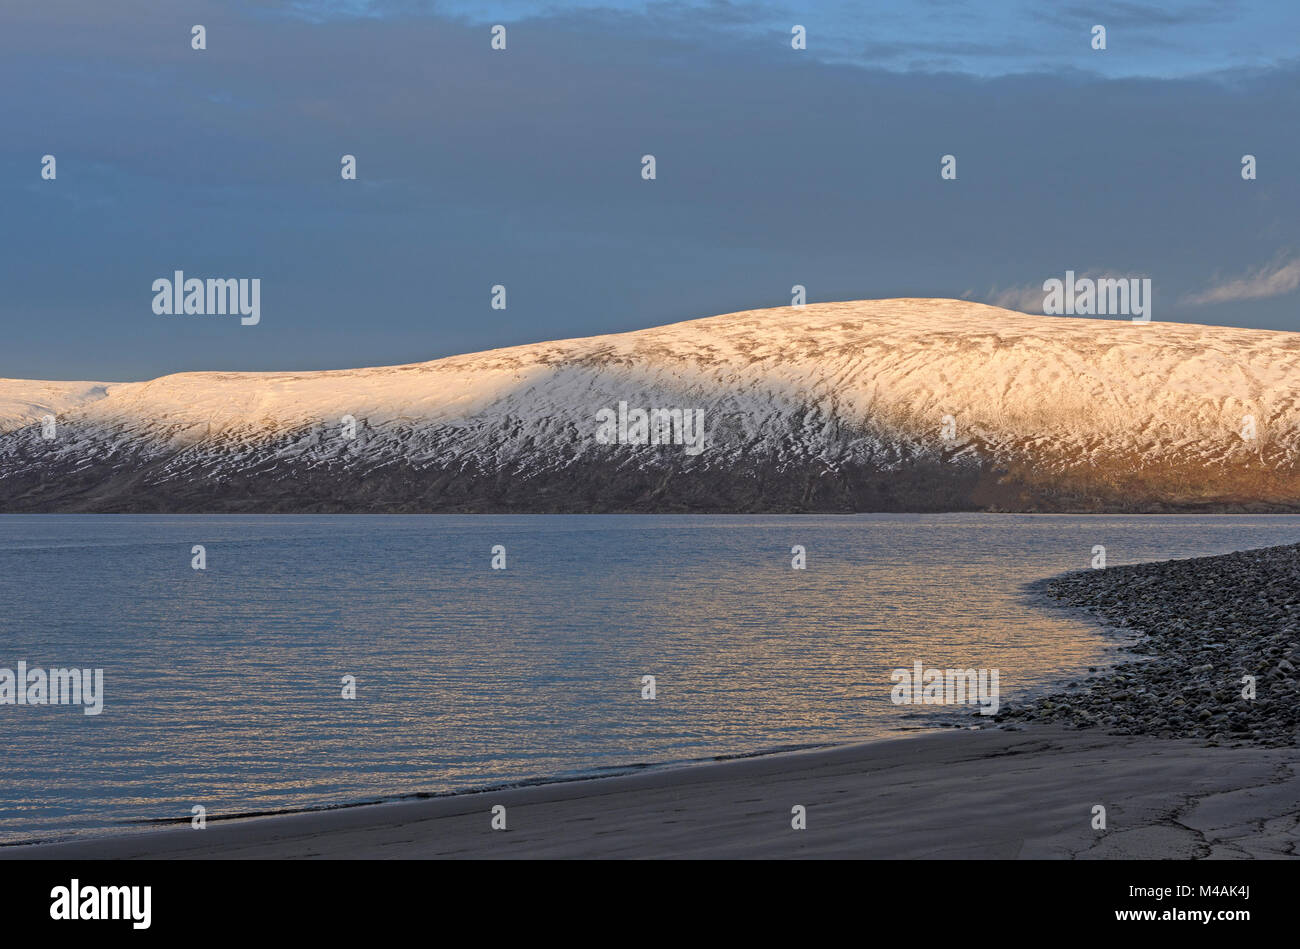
(223, 686)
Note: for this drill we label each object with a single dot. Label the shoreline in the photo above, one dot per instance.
(146, 825)
(1025, 784)
(1214, 654)
(991, 793)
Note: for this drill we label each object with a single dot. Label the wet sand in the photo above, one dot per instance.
(993, 793)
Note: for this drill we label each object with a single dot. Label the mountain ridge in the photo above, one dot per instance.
(880, 405)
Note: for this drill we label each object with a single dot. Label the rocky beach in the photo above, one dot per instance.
(1206, 633)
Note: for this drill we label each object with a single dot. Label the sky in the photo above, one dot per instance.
(522, 167)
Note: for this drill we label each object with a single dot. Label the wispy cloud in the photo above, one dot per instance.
(1124, 13)
(1000, 38)
(1026, 299)
(1030, 298)
(1271, 280)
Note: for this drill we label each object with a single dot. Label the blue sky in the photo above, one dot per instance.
(478, 167)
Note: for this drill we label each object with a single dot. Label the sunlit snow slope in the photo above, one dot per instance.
(828, 407)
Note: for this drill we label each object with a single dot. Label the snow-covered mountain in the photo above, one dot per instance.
(864, 406)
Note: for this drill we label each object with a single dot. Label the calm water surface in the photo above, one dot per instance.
(223, 686)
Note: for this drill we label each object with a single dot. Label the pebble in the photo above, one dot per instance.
(1205, 623)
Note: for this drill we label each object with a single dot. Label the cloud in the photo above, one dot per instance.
(1026, 299)
(1031, 297)
(1138, 15)
(1280, 277)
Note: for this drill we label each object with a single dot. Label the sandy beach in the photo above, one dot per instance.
(994, 793)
